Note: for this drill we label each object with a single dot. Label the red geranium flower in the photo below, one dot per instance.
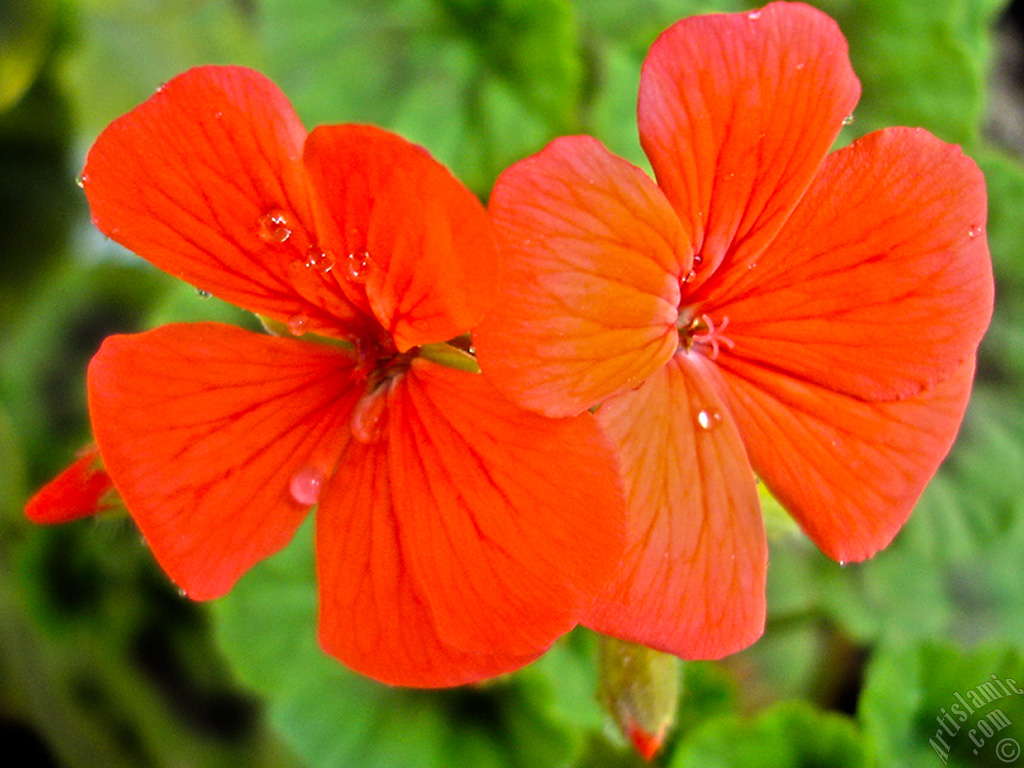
(457, 535)
(763, 307)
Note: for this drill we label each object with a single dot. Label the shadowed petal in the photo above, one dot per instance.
(593, 255)
(411, 243)
(202, 429)
(849, 471)
(205, 180)
(372, 615)
(510, 522)
(736, 113)
(880, 283)
(693, 579)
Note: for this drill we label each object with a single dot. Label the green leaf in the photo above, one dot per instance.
(933, 703)
(12, 478)
(1002, 353)
(333, 717)
(43, 361)
(479, 83)
(26, 34)
(786, 735)
(920, 63)
(126, 49)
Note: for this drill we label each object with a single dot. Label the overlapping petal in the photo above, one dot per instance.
(880, 283)
(511, 522)
(849, 471)
(202, 428)
(413, 245)
(372, 615)
(466, 539)
(593, 256)
(736, 113)
(693, 578)
(205, 180)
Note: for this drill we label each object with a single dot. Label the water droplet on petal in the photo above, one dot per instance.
(754, 15)
(689, 277)
(358, 266)
(848, 120)
(708, 419)
(841, 562)
(274, 227)
(305, 485)
(202, 294)
(319, 259)
(80, 180)
(975, 230)
(298, 324)
(370, 417)
(698, 259)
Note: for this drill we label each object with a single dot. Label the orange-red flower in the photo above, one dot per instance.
(457, 535)
(764, 307)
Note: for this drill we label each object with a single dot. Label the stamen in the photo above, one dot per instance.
(702, 331)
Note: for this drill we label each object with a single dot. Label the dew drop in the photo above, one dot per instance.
(709, 419)
(848, 120)
(80, 180)
(318, 259)
(358, 263)
(754, 15)
(298, 324)
(841, 562)
(689, 277)
(698, 260)
(274, 227)
(202, 294)
(370, 417)
(975, 230)
(305, 486)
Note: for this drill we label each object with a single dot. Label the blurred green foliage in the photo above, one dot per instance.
(102, 663)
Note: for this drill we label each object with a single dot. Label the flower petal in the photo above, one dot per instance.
(415, 246)
(202, 428)
(372, 615)
(205, 180)
(736, 113)
(880, 283)
(510, 522)
(78, 491)
(592, 256)
(693, 578)
(849, 471)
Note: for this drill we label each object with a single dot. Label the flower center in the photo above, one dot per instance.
(700, 332)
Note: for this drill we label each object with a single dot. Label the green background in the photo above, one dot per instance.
(102, 663)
